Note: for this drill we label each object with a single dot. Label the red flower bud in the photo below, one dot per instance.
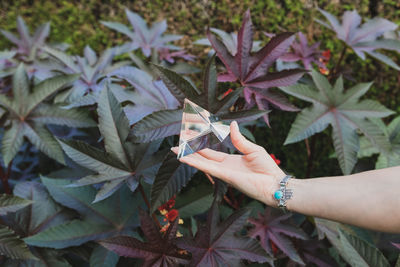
(277, 161)
(172, 214)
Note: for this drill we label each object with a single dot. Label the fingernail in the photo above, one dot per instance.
(235, 124)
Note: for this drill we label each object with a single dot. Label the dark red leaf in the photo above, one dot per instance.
(159, 250)
(216, 244)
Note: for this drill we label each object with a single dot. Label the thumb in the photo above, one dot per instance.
(240, 142)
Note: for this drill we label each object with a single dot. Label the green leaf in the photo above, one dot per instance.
(63, 57)
(243, 115)
(113, 125)
(48, 87)
(177, 85)
(385, 59)
(41, 214)
(119, 27)
(21, 88)
(9, 203)
(345, 141)
(308, 122)
(109, 188)
(53, 114)
(171, 178)
(93, 158)
(12, 140)
(104, 212)
(195, 201)
(210, 84)
(12, 246)
(360, 253)
(44, 140)
(343, 111)
(157, 125)
(6, 103)
(102, 257)
(72, 233)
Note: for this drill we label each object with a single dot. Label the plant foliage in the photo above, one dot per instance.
(110, 117)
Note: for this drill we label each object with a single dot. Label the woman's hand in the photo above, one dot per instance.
(254, 173)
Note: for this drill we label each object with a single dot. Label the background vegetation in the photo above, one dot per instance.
(76, 23)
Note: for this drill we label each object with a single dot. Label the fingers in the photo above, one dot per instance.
(207, 153)
(175, 149)
(203, 164)
(241, 143)
(212, 154)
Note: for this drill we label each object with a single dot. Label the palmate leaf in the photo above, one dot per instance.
(356, 251)
(387, 157)
(159, 250)
(99, 220)
(12, 246)
(122, 161)
(102, 257)
(170, 179)
(92, 72)
(149, 95)
(144, 37)
(251, 70)
(364, 38)
(48, 257)
(28, 115)
(216, 244)
(157, 125)
(343, 111)
(10, 203)
(113, 125)
(302, 51)
(165, 123)
(229, 40)
(43, 213)
(270, 227)
(28, 45)
(194, 201)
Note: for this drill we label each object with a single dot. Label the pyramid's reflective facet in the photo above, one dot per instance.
(199, 129)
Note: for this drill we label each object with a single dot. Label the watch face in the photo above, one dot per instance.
(199, 129)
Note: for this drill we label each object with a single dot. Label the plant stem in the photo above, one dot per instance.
(336, 68)
(227, 200)
(146, 200)
(4, 178)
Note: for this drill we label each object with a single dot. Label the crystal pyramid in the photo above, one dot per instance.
(199, 129)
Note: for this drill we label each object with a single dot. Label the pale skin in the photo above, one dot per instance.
(369, 199)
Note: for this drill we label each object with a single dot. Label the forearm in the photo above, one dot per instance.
(369, 199)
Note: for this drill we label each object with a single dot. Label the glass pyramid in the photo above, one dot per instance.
(199, 129)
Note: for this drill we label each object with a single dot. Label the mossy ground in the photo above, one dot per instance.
(78, 24)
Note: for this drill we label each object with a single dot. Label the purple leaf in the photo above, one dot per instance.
(303, 52)
(144, 37)
(397, 245)
(226, 77)
(276, 79)
(362, 38)
(158, 250)
(270, 228)
(251, 70)
(245, 43)
(224, 54)
(216, 244)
